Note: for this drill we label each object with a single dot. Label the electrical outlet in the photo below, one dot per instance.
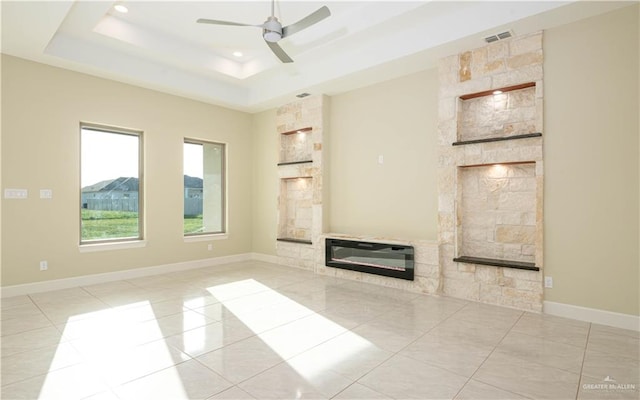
(210, 247)
(44, 266)
(548, 282)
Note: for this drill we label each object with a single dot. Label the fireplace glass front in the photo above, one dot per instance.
(391, 260)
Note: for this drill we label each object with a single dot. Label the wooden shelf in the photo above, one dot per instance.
(498, 139)
(503, 90)
(497, 263)
(303, 130)
(299, 241)
(295, 162)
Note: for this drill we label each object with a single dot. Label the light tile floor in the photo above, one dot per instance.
(254, 330)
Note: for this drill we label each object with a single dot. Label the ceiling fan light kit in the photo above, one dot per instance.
(273, 31)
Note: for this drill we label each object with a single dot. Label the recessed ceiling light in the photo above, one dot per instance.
(237, 54)
(121, 8)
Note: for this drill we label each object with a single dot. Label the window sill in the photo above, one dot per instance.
(134, 244)
(206, 238)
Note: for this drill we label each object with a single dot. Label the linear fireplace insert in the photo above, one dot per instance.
(392, 260)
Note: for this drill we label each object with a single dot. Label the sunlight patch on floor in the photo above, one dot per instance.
(117, 346)
(349, 345)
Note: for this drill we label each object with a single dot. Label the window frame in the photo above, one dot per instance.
(223, 182)
(141, 221)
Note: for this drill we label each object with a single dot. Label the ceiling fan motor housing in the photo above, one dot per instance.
(272, 30)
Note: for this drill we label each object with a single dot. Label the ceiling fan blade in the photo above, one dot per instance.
(277, 50)
(313, 18)
(216, 22)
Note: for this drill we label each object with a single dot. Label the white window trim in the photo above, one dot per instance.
(206, 238)
(221, 235)
(89, 246)
(93, 247)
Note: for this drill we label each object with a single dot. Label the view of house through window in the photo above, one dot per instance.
(111, 190)
(204, 208)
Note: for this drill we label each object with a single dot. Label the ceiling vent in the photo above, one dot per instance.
(301, 95)
(499, 36)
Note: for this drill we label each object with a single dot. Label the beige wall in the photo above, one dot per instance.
(591, 162)
(396, 119)
(265, 182)
(41, 110)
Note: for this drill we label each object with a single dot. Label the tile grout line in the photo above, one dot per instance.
(430, 329)
(549, 340)
(393, 354)
(487, 358)
(584, 356)
(53, 324)
(361, 384)
(397, 353)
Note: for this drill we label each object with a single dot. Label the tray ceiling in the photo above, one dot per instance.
(158, 45)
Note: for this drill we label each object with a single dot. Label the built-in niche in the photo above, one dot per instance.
(496, 213)
(296, 196)
(498, 114)
(296, 147)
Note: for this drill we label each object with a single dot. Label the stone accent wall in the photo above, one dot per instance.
(501, 217)
(427, 274)
(301, 199)
(490, 192)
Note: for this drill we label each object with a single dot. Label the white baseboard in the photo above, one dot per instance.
(618, 320)
(265, 258)
(85, 280)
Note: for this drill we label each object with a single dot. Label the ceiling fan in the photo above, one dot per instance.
(273, 31)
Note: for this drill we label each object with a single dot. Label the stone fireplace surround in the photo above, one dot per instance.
(490, 182)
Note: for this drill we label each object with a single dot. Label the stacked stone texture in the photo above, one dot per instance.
(502, 115)
(300, 214)
(497, 212)
(479, 214)
(296, 147)
(297, 196)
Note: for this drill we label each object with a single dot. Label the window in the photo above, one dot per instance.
(204, 187)
(111, 184)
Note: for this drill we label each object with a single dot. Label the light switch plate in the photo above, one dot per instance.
(46, 193)
(16, 193)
